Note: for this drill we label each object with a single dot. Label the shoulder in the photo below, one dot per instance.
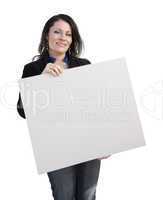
(32, 68)
(76, 61)
(82, 60)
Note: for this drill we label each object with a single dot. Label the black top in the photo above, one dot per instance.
(36, 67)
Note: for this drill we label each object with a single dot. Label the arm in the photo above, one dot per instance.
(20, 109)
(27, 71)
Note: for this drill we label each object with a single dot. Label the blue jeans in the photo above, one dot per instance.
(77, 182)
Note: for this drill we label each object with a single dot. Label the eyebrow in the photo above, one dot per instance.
(62, 30)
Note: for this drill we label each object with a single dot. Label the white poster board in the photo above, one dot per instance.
(86, 113)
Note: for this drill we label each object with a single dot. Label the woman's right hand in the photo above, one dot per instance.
(54, 68)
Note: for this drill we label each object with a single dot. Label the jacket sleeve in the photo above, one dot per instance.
(27, 71)
(20, 107)
(87, 61)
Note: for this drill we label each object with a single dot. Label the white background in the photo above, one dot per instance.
(110, 29)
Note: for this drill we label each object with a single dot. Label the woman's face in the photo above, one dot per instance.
(59, 37)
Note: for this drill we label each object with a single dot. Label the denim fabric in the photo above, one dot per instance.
(77, 182)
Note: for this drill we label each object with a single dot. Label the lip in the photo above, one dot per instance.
(61, 44)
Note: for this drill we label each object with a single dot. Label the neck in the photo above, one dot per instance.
(57, 56)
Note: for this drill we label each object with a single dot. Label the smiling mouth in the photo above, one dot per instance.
(61, 44)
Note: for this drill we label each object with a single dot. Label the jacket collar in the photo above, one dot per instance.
(53, 59)
(72, 61)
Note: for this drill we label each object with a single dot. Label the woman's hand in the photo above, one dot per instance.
(104, 157)
(54, 68)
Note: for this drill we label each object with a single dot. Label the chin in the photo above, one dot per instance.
(61, 50)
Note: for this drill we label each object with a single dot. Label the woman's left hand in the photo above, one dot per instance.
(104, 157)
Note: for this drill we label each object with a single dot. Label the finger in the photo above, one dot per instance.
(59, 68)
(50, 71)
(54, 73)
(60, 64)
(64, 65)
(52, 68)
(48, 68)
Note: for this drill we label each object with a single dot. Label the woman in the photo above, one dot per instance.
(59, 48)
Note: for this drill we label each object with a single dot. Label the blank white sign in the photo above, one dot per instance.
(86, 113)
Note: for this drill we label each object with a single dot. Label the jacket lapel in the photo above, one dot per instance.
(73, 62)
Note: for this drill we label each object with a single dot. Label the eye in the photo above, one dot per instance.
(56, 32)
(69, 34)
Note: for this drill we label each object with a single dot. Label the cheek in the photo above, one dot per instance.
(70, 42)
(52, 41)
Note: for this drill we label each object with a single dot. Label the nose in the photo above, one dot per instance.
(62, 36)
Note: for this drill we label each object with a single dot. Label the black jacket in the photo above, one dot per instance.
(36, 67)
